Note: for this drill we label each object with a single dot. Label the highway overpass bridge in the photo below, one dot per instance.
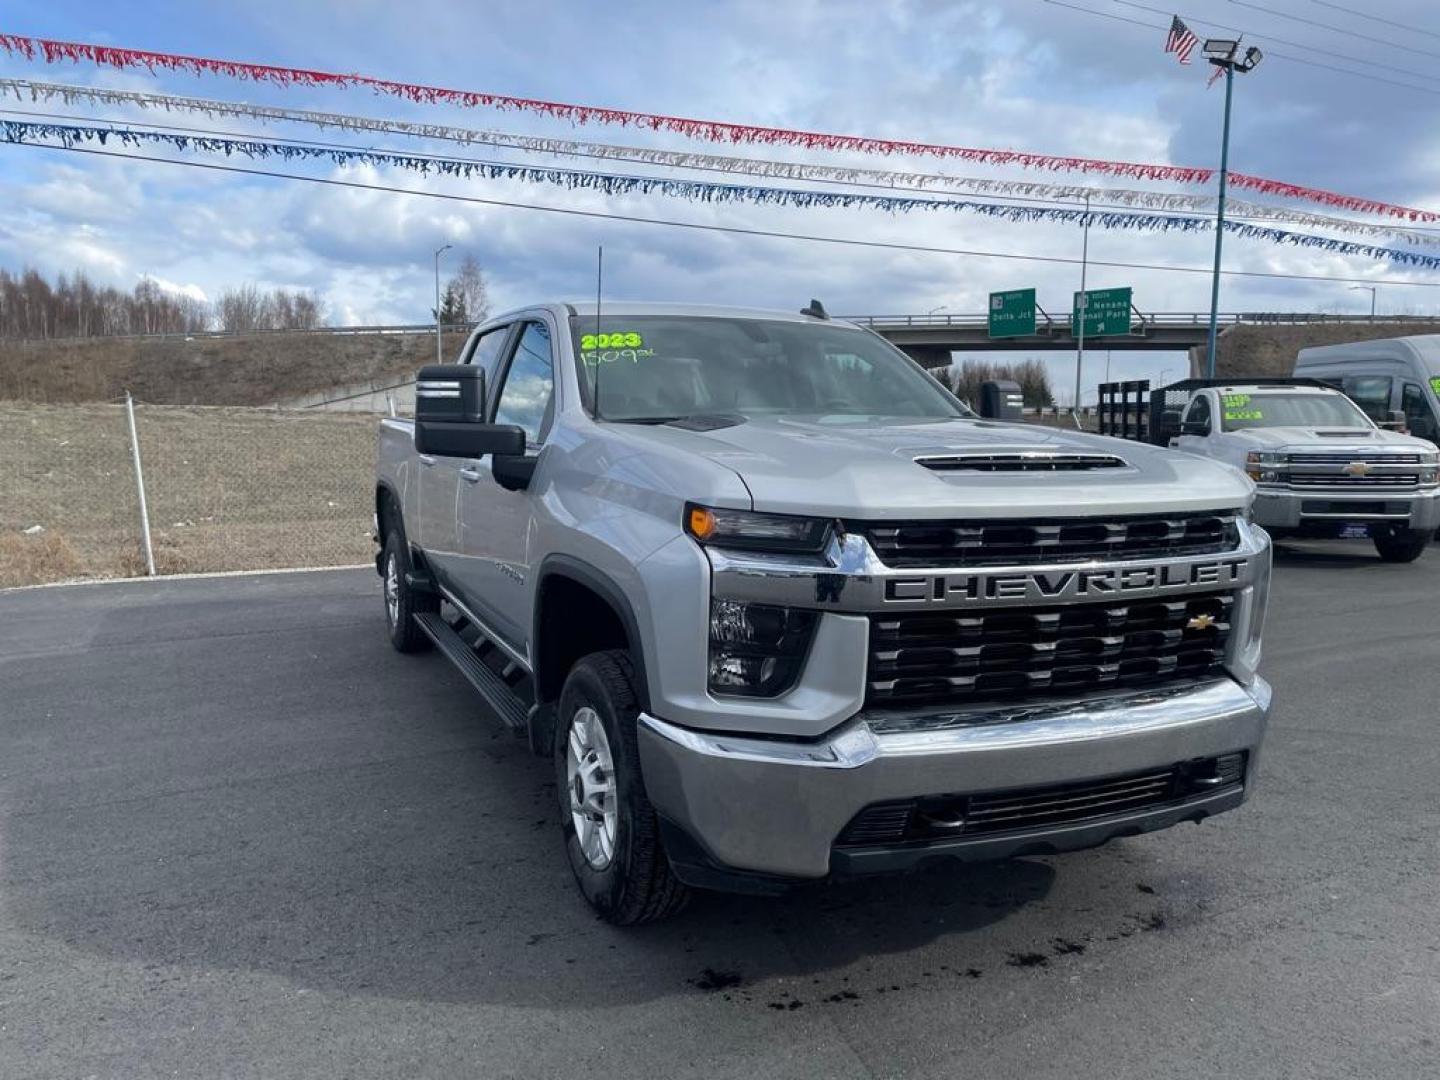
(930, 339)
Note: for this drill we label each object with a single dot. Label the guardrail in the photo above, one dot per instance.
(333, 331)
(1154, 319)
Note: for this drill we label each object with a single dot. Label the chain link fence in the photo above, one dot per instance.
(226, 488)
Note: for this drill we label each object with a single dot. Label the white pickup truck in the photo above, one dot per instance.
(1320, 466)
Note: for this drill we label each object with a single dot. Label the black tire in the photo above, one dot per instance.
(400, 611)
(637, 884)
(1401, 545)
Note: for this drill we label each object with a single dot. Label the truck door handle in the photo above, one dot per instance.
(426, 459)
(470, 475)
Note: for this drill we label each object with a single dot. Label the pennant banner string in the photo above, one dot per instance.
(881, 178)
(53, 51)
(73, 135)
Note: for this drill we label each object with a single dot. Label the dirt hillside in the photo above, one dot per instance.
(1271, 350)
(258, 369)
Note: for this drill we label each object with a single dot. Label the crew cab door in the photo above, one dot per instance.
(435, 531)
(493, 571)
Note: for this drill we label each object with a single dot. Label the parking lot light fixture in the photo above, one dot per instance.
(1225, 54)
(1372, 290)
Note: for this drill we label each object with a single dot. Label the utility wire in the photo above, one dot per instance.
(730, 229)
(1336, 29)
(1271, 53)
(1201, 21)
(1376, 18)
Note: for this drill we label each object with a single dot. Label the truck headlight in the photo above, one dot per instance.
(757, 650)
(1429, 470)
(1246, 662)
(747, 530)
(1264, 467)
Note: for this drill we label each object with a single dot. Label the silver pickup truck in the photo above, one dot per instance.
(1322, 468)
(781, 609)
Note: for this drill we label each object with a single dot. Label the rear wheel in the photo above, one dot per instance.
(402, 603)
(1401, 545)
(612, 835)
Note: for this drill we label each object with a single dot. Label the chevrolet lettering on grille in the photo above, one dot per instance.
(1089, 583)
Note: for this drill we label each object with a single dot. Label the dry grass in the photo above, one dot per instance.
(228, 489)
(28, 560)
(257, 369)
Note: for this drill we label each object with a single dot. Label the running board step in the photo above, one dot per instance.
(506, 703)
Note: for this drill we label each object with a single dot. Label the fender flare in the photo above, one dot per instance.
(583, 573)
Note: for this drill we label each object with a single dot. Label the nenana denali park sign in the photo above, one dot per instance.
(1107, 312)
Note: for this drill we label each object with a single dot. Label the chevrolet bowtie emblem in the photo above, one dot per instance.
(1201, 622)
(1356, 468)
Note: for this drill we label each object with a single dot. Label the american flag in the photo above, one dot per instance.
(1181, 40)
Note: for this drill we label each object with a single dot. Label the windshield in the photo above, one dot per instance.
(1245, 411)
(658, 367)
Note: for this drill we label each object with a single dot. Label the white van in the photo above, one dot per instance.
(1385, 377)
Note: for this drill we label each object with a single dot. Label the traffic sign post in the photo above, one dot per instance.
(1107, 313)
(1012, 314)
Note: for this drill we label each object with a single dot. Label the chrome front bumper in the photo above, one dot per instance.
(776, 807)
(1284, 508)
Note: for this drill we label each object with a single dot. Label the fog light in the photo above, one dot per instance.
(757, 650)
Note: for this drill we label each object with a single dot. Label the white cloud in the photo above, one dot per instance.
(1019, 74)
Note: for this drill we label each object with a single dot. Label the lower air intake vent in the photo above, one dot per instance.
(941, 817)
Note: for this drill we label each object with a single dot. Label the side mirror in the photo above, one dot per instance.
(450, 415)
(1169, 424)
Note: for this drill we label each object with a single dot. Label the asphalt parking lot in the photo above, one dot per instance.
(241, 837)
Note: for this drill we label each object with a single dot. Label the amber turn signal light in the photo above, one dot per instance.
(702, 523)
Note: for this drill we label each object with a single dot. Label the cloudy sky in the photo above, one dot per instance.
(1021, 74)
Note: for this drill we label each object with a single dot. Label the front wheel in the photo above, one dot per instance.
(612, 835)
(1401, 545)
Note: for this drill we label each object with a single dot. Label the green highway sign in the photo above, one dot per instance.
(1012, 314)
(1107, 312)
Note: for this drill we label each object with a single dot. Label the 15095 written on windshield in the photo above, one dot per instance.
(596, 349)
(1235, 408)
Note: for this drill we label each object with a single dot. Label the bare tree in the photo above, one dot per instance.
(30, 307)
(965, 381)
(473, 299)
(240, 309)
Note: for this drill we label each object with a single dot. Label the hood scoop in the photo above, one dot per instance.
(1349, 433)
(1024, 461)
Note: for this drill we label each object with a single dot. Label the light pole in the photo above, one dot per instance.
(932, 311)
(1222, 52)
(1372, 290)
(438, 252)
(1080, 309)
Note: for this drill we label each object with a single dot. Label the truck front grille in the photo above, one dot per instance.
(1341, 459)
(952, 658)
(942, 817)
(1014, 543)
